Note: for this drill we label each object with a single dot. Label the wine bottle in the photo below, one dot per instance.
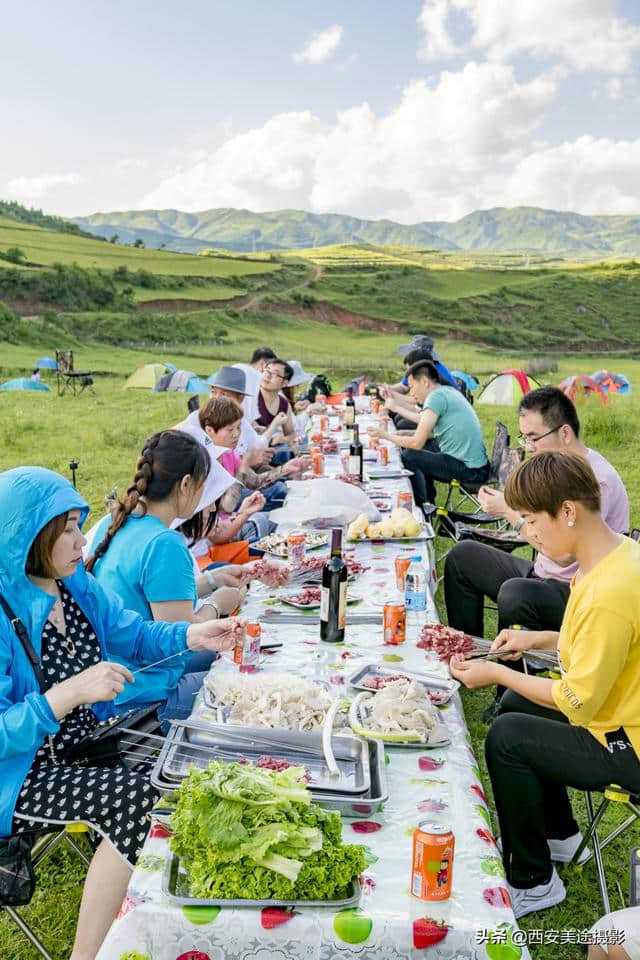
(356, 455)
(349, 409)
(333, 601)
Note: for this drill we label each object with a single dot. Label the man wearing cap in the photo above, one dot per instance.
(425, 344)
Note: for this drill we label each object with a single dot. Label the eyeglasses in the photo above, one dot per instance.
(274, 375)
(531, 441)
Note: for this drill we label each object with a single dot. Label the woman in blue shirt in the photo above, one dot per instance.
(139, 556)
(67, 616)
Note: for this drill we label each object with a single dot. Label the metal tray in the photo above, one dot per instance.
(426, 533)
(388, 473)
(348, 806)
(401, 743)
(443, 686)
(282, 551)
(175, 886)
(304, 749)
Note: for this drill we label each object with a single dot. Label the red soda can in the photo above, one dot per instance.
(296, 542)
(246, 653)
(394, 623)
(401, 564)
(404, 500)
(374, 443)
(317, 463)
(375, 405)
(324, 424)
(383, 454)
(432, 867)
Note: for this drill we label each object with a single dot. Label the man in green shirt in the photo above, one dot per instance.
(451, 420)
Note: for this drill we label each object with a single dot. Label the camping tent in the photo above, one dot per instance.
(580, 385)
(146, 377)
(612, 382)
(46, 363)
(466, 378)
(24, 383)
(507, 388)
(181, 380)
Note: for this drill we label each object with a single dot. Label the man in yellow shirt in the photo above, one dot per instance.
(582, 730)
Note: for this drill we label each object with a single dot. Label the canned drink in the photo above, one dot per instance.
(295, 547)
(316, 437)
(344, 459)
(432, 867)
(374, 443)
(404, 500)
(394, 623)
(324, 424)
(375, 405)
(317, 464)
(401, 564)
(246, 653)
(383, 454)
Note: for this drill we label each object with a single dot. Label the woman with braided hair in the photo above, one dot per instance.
(139, 557)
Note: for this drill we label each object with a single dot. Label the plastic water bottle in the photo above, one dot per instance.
(415, 596)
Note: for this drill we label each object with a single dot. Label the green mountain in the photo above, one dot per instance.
(523, 229)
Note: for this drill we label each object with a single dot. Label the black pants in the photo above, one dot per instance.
(428, 466)
(473, 571)
(533, 755)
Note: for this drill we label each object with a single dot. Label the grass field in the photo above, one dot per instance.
(46, 247)
(212, 291)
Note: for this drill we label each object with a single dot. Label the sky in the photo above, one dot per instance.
(411, 110)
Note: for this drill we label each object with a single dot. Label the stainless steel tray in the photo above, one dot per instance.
(426, 533)
(304, 749)
(443, 688)
(175, 886)
(362, 720)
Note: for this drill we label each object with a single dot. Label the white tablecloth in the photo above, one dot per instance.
(442, 784)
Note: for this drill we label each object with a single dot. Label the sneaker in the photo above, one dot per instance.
(542, 897)
(562, 851)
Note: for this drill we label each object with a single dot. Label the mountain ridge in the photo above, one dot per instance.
(524, 229)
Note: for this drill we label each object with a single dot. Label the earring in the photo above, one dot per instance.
(571, 523)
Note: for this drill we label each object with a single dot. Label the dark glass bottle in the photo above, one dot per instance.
(349, 409)
(356, 455)
(333, 603)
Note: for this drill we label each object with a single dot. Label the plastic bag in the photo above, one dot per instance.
(323, 503)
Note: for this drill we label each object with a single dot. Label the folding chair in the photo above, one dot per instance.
(611, 794)
(42, 848)
(68, 378)
(466, 492)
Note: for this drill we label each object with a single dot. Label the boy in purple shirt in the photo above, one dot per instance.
(533, 595)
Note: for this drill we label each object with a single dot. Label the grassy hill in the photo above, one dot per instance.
(519, 228)
(82, 290)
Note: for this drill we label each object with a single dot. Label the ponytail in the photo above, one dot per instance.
(166, 458)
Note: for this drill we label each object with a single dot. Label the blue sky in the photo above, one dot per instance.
(413, 110)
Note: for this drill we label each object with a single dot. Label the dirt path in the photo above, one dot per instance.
(253, 302)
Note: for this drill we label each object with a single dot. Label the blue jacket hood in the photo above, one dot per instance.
(29, 498)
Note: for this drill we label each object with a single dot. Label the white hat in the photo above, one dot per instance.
(299, 375)
(218, 480)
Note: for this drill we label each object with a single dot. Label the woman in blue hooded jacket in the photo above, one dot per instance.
(67, 616)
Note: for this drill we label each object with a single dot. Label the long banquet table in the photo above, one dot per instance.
(439, 784)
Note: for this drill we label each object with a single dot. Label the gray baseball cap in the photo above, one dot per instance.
(229, 378)
(419, 342)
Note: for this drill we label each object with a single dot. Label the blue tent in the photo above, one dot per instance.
(46, 363)
(196, 385)
(611, 382)
(24, 383)
(466, 378)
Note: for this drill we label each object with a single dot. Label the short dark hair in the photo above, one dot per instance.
(424, 368)
(39, 557)
(220, 412)
(414, 356)
(554, 406)
(543, 482)
(288, 369)
(262, 353)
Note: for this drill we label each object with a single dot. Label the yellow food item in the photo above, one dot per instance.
(412, 528)
(386, 529)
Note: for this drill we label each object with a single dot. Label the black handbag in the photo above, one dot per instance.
(17, 879)
(113, 740)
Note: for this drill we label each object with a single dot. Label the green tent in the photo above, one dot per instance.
(146, 377)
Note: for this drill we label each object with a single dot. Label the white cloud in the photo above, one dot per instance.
(585, 33)
(433, 155)
(320, 46)
(30, 189)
